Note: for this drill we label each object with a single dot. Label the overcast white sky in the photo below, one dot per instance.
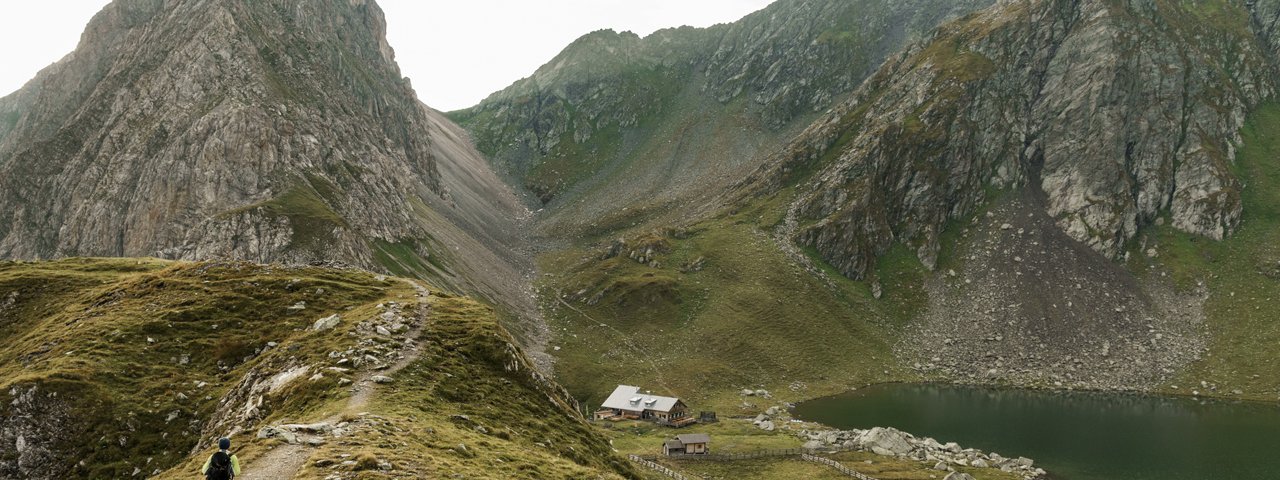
(456, 51)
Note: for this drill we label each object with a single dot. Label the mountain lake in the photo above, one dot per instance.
(1075, 435)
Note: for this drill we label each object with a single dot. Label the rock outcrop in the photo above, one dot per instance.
(35, 427)
(1113, 114)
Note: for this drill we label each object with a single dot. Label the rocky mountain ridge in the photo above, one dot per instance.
(617, 123)
(1115, 113)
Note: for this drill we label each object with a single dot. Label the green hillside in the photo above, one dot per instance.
(138, 363)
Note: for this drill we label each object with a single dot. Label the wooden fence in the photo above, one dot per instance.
(806, 455)
(659, 468)
(727, 457)
(836, 465)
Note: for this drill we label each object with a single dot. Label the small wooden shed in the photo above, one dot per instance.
(688, 444)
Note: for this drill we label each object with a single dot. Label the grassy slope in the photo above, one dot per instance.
(466, 389)
(108, 336)
(1242, 274)
(751, 318)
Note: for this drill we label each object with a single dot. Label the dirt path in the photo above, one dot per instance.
(284, 461)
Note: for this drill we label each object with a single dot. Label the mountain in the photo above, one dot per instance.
(125, 367)
(617, 123)
(1037, 193)
(264, 131)
(823, 195)
(1113, 117)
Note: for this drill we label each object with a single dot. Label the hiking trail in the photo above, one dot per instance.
(287, 459)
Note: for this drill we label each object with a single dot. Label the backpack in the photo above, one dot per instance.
(219, 467)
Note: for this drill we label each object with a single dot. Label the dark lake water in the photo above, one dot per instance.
(1076, 435)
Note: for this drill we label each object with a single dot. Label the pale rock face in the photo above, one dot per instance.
(145, 143)
(1113, 116)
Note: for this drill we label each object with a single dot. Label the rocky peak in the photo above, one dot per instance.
(271, 131)
(798, 56)
(1113, 113)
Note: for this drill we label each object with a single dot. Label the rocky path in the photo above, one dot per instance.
(287, 459)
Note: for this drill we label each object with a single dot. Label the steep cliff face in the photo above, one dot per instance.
(1113, 113)
(619, 122)
(269, 131)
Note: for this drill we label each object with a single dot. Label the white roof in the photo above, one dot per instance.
(627, 397)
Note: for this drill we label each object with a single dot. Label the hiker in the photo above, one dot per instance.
(222, 465)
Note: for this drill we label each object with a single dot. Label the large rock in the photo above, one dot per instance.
(278, 433)
(327, 322)
(886, 441)
(958, 476)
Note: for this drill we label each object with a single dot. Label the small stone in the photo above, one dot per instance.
(383, 331)
(382, 379)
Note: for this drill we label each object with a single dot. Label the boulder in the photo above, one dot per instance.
(383, 379)
(278, 433)
(1021, 462)
(327, 322)
(958, 476)
(887, 439)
